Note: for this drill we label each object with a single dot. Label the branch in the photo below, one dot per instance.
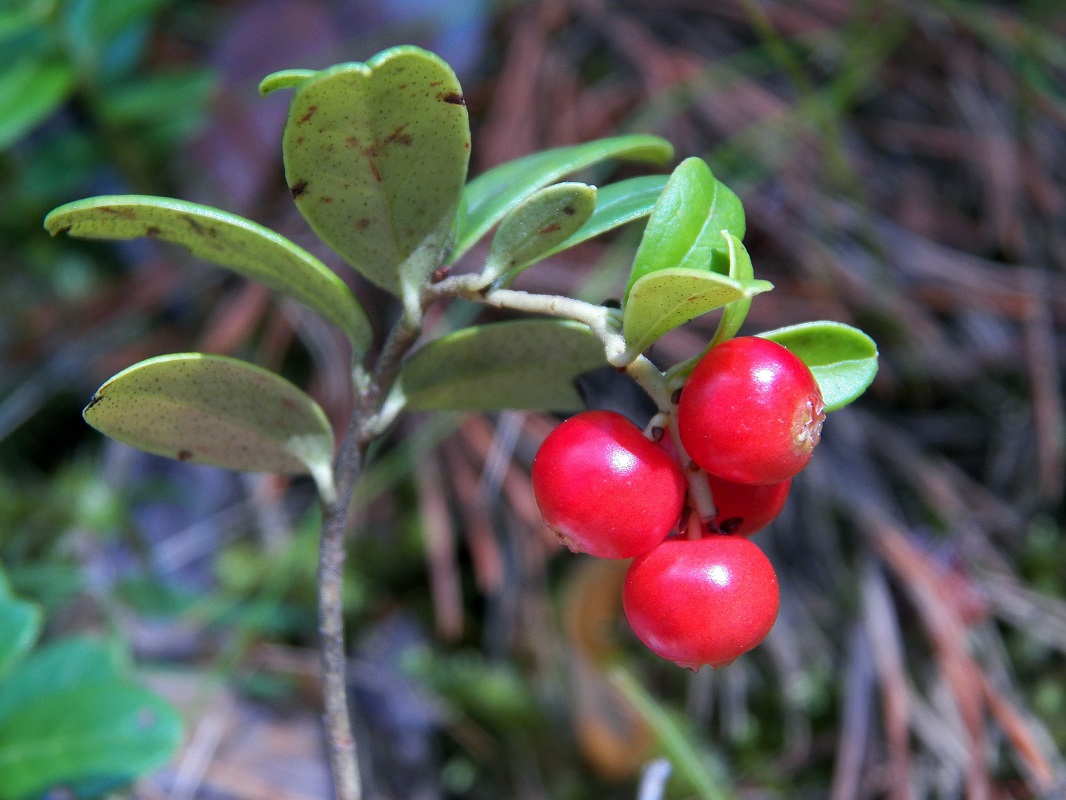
(344, 761)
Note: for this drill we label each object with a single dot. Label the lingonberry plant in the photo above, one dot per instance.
(376, 158)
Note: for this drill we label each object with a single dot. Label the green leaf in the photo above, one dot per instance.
(215, 410)
(30, 90)
(740, 270)
(687, 222)
(529, 364)
(663, 300)
(92, 730)
(491, 195)
(20, 624)
(843, 359)
(617, 204)
(536, 226)
(376, 156)
(223, 239)
(153, 98)
(57, 667)
(24, 17)
(284, 79)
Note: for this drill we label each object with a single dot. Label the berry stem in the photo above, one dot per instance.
(699, 489)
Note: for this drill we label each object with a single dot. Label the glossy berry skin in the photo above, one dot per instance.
(701, 601)
(746, 508)
(750, 412)
(606, 489)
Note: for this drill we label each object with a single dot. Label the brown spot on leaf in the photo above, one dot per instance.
(95, 399)
(310, 113)
(373, 165)
(453, 98)
(399, 137)
(325, 199)
(184, 455)
(351, 141)
(362, 224)
(549, 228)
(64, 229)
(289, 403)
(436, 83)
(298, 189)
(195, 225)
(152, 231)
(569, 211)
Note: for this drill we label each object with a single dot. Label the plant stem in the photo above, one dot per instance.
(343, 756)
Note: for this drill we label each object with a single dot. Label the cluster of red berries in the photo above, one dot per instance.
(749, 416)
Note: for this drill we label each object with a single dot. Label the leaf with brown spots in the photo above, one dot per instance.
(376, 139)
(208, 409)
(535, 226)
(226, 240)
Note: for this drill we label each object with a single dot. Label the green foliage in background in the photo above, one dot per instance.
(69, 715)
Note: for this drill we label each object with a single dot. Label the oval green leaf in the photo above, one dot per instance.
(57, 667)
(20, 624)
(93, 730)
(534, 227)
(376, 157)
(215, 410)
(668, 298)
(843, 359)
(525, 364)
(224, 239)
(616, 205)
(686, 224)
(491, 195)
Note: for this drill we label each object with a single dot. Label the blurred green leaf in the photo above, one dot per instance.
(685, 227)
(30, 91)
(663, 300)
(617, 204)
(284, 79)
(92, 730)
(376, 157)
(155, 97)
(215, 410)
(491, 195)
(529, 364)
(20, 624)
(23, 17)
(223, 239)
(536, 226)
(843, 359)
(55, 668)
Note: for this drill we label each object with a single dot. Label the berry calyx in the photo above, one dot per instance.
(701, 601)
(750, 412)
(604, 488)
(746, 508)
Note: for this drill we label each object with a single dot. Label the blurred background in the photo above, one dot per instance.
(903, 168)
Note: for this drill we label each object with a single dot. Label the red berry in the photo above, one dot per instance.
(745, 508)
(604, 488)
(750, 412)
(701, 601)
